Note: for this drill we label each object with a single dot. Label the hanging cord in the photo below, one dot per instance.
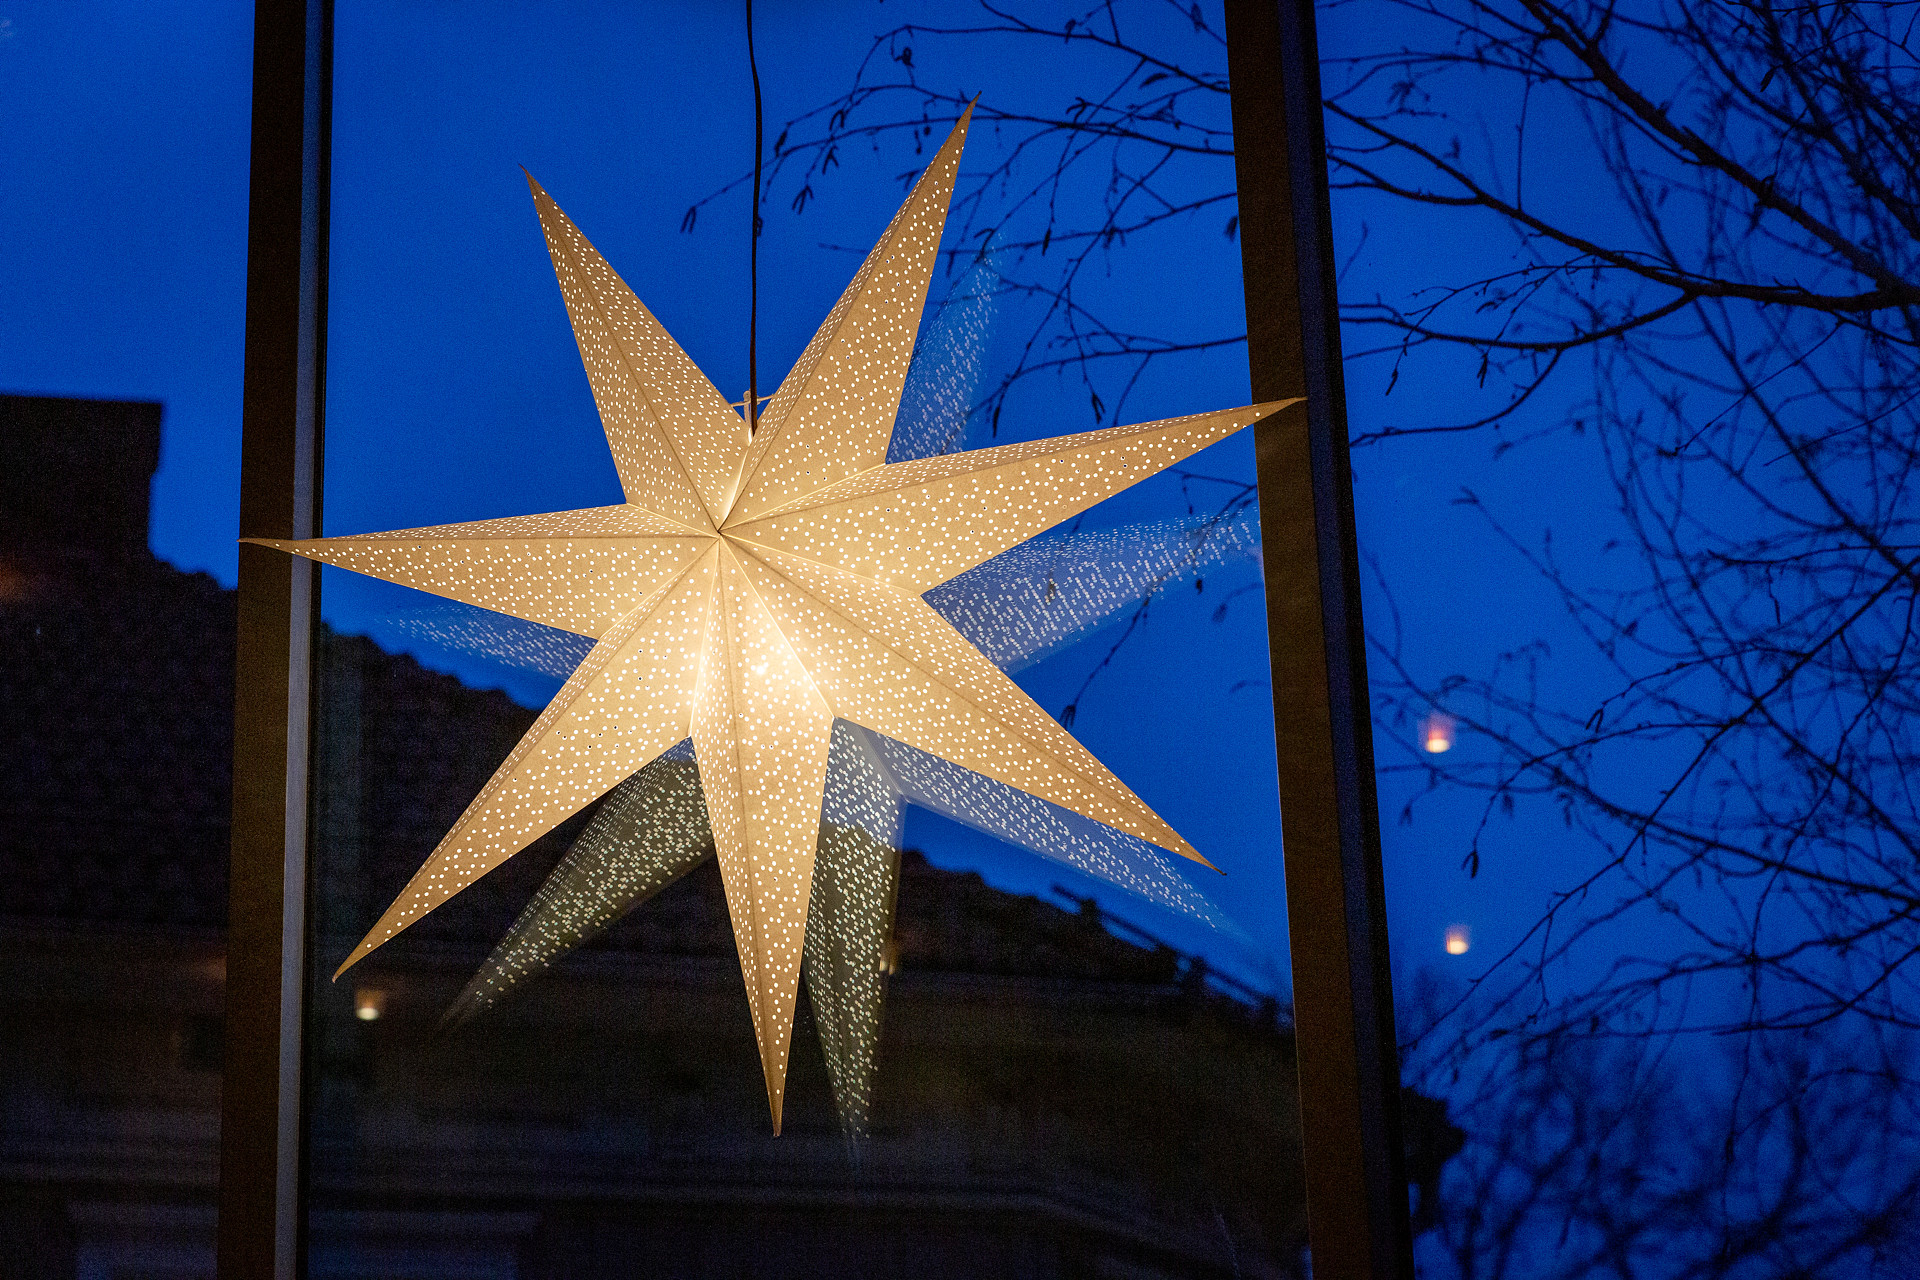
(753, 251)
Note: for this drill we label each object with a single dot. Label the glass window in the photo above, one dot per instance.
(1024, 1041)
(123, 189)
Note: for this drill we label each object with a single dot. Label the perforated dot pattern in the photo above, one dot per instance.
(849, 920)
(887, 661)
(625, 704)
(917, 524)
(651, 831)
(1071, 839)
(760, 733)
(622, 521)
(580, 571)
(653, 828)
(1041, 595)
(833, 415)
(578, 585)
(675, 441)
(510, 642)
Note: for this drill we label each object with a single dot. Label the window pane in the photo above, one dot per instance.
(1083, 1062)
(123, 184)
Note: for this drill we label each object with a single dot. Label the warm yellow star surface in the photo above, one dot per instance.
(755, 588)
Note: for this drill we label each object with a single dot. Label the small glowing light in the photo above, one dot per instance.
(14, 584)
(369, 1003)
(1438, 736)
(1459, 938)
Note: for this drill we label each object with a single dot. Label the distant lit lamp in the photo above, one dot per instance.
(15, 584)
(757, 586)
(369, 1003)
(1437, 736)
(1459, 939)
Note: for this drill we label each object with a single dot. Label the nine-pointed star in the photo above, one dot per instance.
(756, 586)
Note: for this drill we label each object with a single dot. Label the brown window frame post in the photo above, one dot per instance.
(261, 1117)
(1357, 1215)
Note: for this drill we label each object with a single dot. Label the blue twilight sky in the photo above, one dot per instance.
(455, 390)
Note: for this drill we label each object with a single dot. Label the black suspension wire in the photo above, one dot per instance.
(753, 251)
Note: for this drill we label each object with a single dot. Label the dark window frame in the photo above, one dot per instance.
(1343, 1008)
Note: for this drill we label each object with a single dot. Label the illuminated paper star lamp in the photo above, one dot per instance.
(756, 586)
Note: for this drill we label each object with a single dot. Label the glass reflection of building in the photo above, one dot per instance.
(1051, 1097)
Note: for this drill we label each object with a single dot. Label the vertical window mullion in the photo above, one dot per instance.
(261, 1116)
(1357, 1216)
